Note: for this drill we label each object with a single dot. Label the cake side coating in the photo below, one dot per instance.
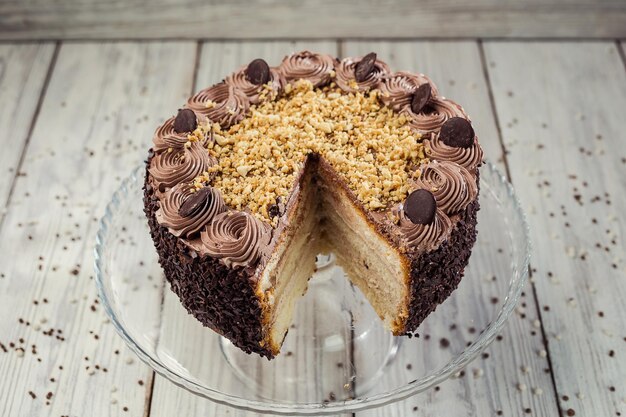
(435, 275)
(226, 299)
(220, 297)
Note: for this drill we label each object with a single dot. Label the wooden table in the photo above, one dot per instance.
(77, 116)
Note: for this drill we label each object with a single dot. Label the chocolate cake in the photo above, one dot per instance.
(261, 172)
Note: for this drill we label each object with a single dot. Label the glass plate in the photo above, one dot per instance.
(336, 357)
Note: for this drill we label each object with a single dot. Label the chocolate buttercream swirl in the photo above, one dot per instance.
(169, 212)
(426, 236)
(237, 238)
(317, 68)
(397, 89)
(451, 184)
(239, 80)
(346, 78)
(172, 167)
(469, 158)
(166, 137)
(221, 103)
(436, 113)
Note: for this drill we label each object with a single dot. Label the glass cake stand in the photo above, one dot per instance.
(337, 357)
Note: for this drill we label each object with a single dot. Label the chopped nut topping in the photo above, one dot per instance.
(369, 145)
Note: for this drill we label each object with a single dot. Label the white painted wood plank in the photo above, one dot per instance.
(23, 69)
(41, 19)
(490, 383)
(217, 59)
(96, 122)
(562, 108)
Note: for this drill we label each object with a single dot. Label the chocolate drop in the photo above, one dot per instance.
(185, 121)
(457, 132)
(258, 72)
(420, 207)
(421, 97)
(364, 67)
(195, 202)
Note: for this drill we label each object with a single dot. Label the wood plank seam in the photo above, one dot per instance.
(31, 127)
(620, 49)
(165, 286)
(508, 174)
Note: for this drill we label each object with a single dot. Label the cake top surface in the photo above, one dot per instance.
(370, 146)
(230, 159)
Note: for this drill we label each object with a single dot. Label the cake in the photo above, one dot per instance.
(259, 173)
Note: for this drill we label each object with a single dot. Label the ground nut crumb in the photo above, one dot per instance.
(371, 147)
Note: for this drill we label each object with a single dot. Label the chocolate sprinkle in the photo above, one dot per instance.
(420, 207)
(277, 209)
(258, 72)
(457, 132)
(364, 67)
(195, 202)
(185, 121)
(421, 97)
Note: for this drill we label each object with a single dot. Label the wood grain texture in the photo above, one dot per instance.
(95, 124)
(214, 19)
(568, 164)
(490, 383)
(23, 70)
(217, 59)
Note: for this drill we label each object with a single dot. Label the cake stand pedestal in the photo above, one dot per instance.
(334, 331)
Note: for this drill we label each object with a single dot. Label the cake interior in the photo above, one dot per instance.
(325, 219)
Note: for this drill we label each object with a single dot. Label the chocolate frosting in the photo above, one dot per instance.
(168, 212)
(437, 112)
(452, 185)
(237, 238)
(397, 89)
(426, 237)
(166, 137)
(346, 79)
(317, 68)
(222, 104)
(469, 158)
(239, 81)
(172, 167)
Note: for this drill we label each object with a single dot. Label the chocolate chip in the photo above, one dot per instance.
(420, 207)
(273, 211)
(258, 72)
(421, 97)
(185, 121)
(194, 203)
(277, 209)
(457, 132)
(365, 67)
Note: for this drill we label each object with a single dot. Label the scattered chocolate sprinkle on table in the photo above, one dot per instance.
(79, 115)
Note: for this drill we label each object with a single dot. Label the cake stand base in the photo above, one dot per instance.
(336, 344)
